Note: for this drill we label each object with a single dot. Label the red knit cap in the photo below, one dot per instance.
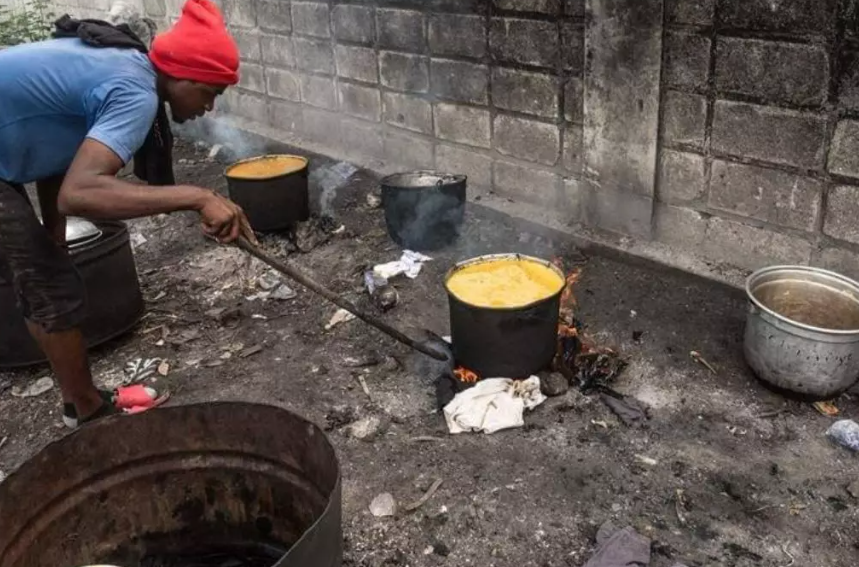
(198, 47)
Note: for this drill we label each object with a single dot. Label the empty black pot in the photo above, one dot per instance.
(424, 210)
(271, 203)
(514, 342)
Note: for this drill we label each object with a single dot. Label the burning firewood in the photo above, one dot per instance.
(465, 375)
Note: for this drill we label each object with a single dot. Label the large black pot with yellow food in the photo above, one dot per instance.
(102, 254)
(271, 189)
(504, 314)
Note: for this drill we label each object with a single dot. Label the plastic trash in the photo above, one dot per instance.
(845, 432)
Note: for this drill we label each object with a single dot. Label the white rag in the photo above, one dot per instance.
(410, 264)
(492, 405)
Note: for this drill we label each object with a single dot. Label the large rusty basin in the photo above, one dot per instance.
(175, 479)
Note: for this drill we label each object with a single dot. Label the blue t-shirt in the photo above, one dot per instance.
(55, 93)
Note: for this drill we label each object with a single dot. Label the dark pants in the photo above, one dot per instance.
(48, 286)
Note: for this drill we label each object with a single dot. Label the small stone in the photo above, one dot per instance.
(383, 505)
(373, 201)
(853, 489)
(554, 384)
(283, 293)
(365, 429)
(268, 281)
(386, 297)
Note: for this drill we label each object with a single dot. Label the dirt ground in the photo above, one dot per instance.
(760, 483)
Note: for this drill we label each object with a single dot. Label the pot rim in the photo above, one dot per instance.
(454, 179)
(833, 276)
(504, 256)
(262, 157)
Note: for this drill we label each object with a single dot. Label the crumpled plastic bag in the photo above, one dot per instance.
(492, 405)
(410, 264)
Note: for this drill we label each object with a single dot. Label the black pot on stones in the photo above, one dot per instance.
(103, 256)
(248, 484)
(424, 210)
(511, 342)
(273, 202)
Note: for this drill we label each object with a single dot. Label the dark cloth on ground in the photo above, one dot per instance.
(627, 409)
(153, 162)
(48, 287)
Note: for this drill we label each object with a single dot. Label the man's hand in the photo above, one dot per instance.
(224, 220)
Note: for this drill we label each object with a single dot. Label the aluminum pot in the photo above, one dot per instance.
(802, 331)
(424, 210)
(225, 474)
(271, 203)
(513, 342)
(114, 305)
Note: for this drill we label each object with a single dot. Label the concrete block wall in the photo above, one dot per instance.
(724, 129)
(758, 137)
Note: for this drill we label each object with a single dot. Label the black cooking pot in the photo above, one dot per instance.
(114, 301)
(514, 342)
(271, 203)
(424, 209)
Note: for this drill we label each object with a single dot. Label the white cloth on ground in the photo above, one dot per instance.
(410, 264)
(492, 405)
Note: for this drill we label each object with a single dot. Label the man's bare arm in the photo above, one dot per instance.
(91, 189)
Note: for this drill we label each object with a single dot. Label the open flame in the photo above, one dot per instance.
(465, 375)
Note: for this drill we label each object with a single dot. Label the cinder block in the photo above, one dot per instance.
(318, 91)
(679, 226)
(311, 18)
(155, 8)
(523, 91)
(573, 200)
(684, 118)
(765, 194)
(457, 160)
(848, 80)
(361, 141)
(527, 139)
(541, 6)
(574, 8)
(408, 150)
(751, 247)
(321, 126)
(355, 23)
(795, 16)
(687, 60)
(456, 34)
(838, 260)
(313, 55)
(572, 46)
(360, 101)
(250, 106)
(248, 42)
(842, 210)
(282, 84)
(403, 72)
(357, 63)
(525, 184)
(277, 50)
(285, 116)
(409, 112)
(844, 151)
(239, 13)
(462, 124)
(681, 177)
(574, 151)
(772, 71)
(401, 29)
(252, 78)
(574, 100)
(274, 15)
(529, 42)
(770, 134)
(459, 81)
(697, 13)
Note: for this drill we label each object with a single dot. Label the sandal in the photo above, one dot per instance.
(126, 399)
